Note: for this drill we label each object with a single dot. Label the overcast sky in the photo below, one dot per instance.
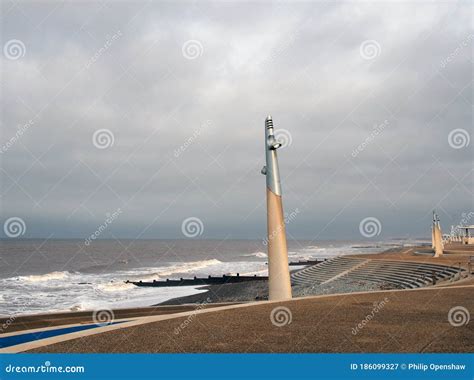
(157, 110)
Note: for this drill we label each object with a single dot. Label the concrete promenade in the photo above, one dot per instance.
(395, 321)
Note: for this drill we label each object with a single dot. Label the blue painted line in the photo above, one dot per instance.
(29, 337)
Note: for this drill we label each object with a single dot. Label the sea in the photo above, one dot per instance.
(45, 276)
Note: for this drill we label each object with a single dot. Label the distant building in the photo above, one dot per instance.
(467, 234)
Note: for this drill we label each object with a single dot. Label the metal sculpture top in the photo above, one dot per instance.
(271, 170)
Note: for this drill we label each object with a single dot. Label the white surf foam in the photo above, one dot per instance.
(44, 277)
(260, 255)
(161, 273)
(65, 291)
(115, 286)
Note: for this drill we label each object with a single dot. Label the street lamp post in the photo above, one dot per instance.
(279, 282)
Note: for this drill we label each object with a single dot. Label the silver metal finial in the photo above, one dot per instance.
(271, 170)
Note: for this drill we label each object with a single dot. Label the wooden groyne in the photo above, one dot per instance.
(210, 280)
(213, 280)
(306, 262)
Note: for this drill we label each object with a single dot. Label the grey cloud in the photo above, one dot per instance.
(299, 62)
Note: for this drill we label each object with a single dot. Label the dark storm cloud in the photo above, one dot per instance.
(188, 133)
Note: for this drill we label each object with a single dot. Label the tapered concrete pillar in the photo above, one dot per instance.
(438, 239)
(433, 236)
(279, 282)
(433, 245)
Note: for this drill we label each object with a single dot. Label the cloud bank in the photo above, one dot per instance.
(157, 109)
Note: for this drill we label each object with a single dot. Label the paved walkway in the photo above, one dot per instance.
(386, 321)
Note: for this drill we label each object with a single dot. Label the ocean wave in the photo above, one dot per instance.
(176, 268)
(79, 307)
(315, 249)
(260, 255)
(258, 272)
(115, 287)
(44, 277)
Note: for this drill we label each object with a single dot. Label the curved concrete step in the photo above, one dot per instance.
(326, 271)
(383, 281)
(392, 275)
(408, 270)
(413, 269)
(420, 265)
(384, 278)
(401, 273)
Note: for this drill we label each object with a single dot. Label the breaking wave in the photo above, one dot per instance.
(115, 287)
(260, 255)
(45, 277)
(179, 268)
